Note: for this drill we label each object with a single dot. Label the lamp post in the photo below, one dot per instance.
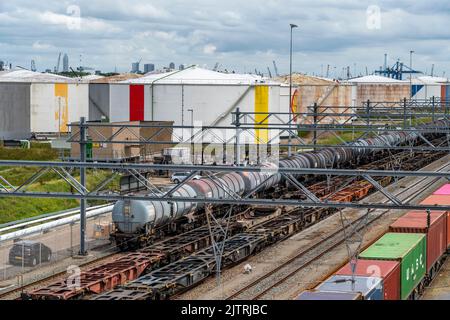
(410, 73)
(290, 91)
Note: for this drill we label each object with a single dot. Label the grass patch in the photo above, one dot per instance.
(14, 208)
(38, 152)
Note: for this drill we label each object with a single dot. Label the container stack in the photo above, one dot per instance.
(399, 264)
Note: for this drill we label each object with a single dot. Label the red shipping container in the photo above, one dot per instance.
(444, 190)
(416, 222)
(440, 200)
(136, 103)
(437, 200)
(388, 270)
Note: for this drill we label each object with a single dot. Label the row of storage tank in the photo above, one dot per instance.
(399, 264)
(137, 216)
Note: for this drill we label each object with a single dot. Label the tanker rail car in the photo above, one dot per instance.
(137, 221)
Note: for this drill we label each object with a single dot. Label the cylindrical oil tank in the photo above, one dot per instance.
(312, 160)
(251, 180)
(202, 189)
(240, 181)
(131, 216)
(269, 171)
(230, 183)
(183, 208)
(322, 160)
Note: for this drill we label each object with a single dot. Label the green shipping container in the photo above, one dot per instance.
(409, 249)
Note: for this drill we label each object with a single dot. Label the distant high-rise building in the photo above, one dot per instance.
(135, 67)
(172, 65)
(2, 65)
(66, 63)
(181, 67)
(149, 67)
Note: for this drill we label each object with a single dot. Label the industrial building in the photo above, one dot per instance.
(66, 63)
(109, 152)
(427, 87)
(33, 102)
(357, 92)
(378, 88)
(149, 67)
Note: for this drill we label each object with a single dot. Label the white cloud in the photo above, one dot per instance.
(87, 24)
(209, 49)
(38, 45)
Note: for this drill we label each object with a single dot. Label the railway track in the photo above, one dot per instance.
(182, 275)
(129, 266)
(14, 293)
(272, 283)
(160, 253)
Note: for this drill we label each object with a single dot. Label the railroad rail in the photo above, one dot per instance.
(133, 265)
(184, 274)
(271, 283)
(15, 293)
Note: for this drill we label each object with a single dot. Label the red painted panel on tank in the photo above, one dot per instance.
(416, 222)
(444, 190)
(136, 102)
(388, 270)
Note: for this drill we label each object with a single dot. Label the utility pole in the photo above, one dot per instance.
(83, 141)
(290, 93)
(410, 73)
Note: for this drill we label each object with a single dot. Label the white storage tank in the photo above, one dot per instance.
(42, 103)
(212, 97)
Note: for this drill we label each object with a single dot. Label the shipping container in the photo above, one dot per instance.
(327, 295)
(389, 271)
(409, 249)
(416, 222)
(440, 200)
(436, 200)
(371, 288)
(443, 191)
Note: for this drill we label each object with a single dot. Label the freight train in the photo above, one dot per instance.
(138, 222)
(400, 264)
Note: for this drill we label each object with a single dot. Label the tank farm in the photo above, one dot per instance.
(167, 247)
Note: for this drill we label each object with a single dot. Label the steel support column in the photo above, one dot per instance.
(83, 141)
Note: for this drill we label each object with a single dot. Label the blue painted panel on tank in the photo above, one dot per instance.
(370, 287)
(416, 88)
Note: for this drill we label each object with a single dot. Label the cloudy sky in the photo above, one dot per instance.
(239, 34)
